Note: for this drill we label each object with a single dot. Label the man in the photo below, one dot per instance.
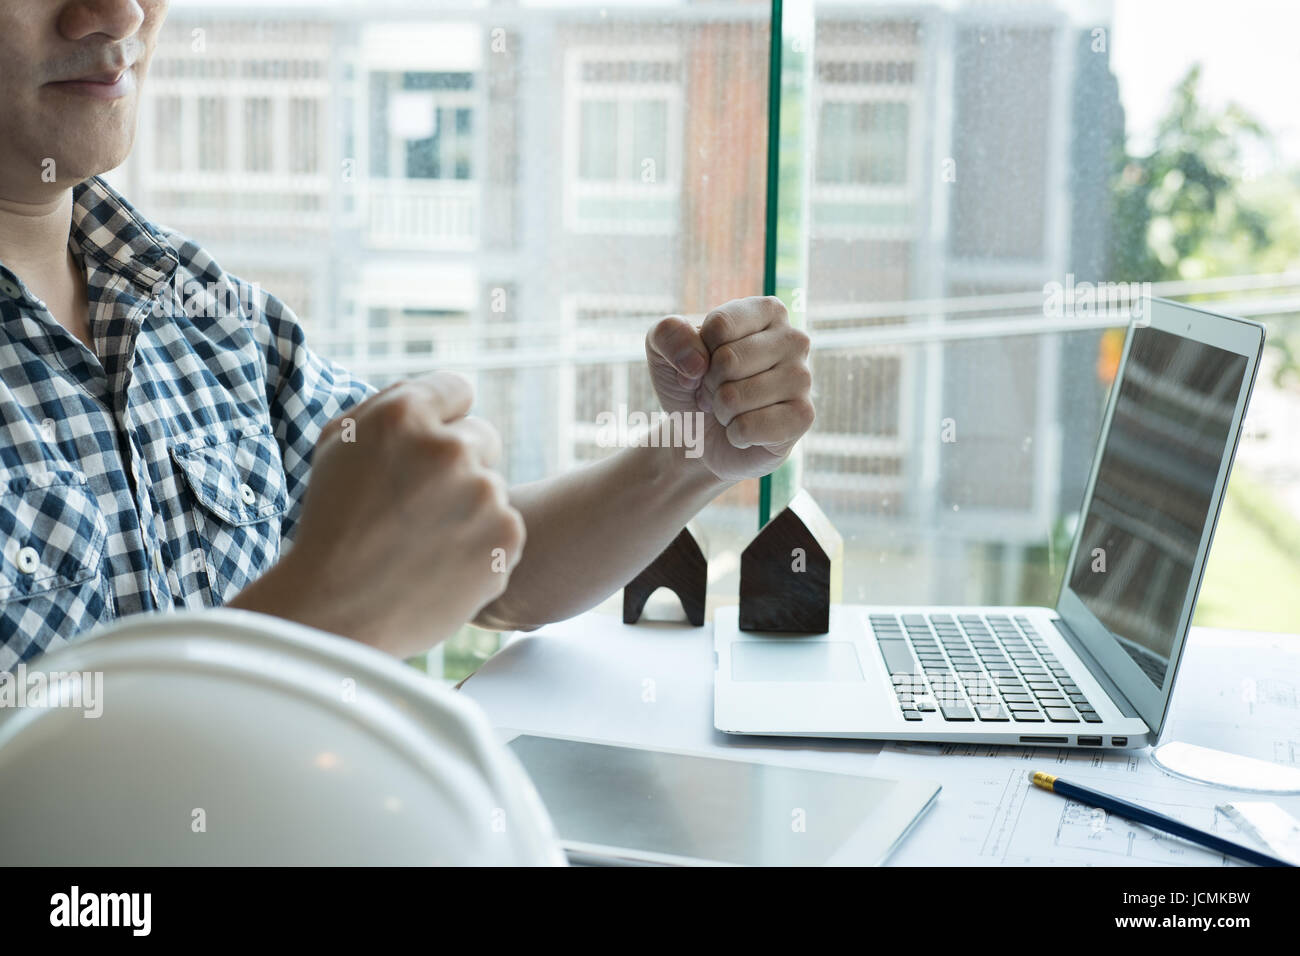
(157, 455)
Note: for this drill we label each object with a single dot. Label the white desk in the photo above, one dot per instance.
(652, 684)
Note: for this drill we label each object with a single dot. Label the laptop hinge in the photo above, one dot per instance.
(1099, 675)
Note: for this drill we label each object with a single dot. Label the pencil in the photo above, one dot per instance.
(1131, 811)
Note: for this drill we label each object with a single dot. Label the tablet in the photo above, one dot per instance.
(613, 803)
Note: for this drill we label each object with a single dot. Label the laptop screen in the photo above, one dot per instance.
(1154, 489)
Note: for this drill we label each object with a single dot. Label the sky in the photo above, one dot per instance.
(1250, 50)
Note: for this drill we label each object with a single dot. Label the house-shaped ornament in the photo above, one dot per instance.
(682, 568)
(792, 571)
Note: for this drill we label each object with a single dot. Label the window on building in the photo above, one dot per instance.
(258, 135)
(625, 132)
(422, 125)
(865, 104)
(213, 135)
(304, 135)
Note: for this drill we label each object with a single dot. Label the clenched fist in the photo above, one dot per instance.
(746, 369)
(406, 530)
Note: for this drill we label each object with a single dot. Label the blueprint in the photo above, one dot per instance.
(988, 814)
(1237, 691)
(1255, 712)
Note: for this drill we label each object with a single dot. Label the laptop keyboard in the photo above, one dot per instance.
(993, 668)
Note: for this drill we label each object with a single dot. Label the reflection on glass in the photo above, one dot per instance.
(1151, 500)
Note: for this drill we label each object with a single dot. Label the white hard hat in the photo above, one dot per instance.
(228, 737)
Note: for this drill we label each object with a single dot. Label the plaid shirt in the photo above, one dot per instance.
(167, 469)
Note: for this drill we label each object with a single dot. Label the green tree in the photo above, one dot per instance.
(1184, 196)
(1188, 209)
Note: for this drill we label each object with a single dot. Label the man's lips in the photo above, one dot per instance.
(108, 76)
(107, 85)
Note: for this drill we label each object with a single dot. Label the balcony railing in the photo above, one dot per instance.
(422, 214)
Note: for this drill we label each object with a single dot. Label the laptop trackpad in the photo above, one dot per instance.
(794, 660)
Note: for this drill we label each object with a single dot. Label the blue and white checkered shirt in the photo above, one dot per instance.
(165, 469)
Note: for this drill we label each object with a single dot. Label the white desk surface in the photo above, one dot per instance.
(652, 684)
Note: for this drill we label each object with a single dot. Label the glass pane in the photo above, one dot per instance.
(304, 134)
(257, 134)
(213, 136)
(862, 143)
(965, 164)
(649, 152)
(598, 140)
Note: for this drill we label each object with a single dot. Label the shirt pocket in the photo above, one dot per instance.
(52, 580)
(237, 479)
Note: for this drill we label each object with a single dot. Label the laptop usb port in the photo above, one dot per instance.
(1089, 741)
(1119, 741)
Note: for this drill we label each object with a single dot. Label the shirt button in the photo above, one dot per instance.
(157, 559)
(28, 560)
(247, 494)
(9, 289)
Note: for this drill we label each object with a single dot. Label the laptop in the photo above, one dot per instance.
(1098, 669)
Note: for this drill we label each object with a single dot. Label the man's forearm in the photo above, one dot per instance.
(593, 529)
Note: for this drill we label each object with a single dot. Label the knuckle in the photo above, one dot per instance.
(484, 491)
(447, 384)
(801, 340)
(511, 531)
(442, 448)
(805, 412)
(721, 324)
(726, 358)
(775, 306)
(803, 377)
(408, 418)
(399, 411)
(728, 397)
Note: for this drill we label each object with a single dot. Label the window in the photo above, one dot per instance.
(304, 135)
(421, 187)
(422, 125)
(862, 144)
(865, 168)
(518, 195)
(214, 138)
(258, 137)
(236, 132)
(625, 135)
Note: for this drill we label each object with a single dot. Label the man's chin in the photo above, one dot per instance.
(63, 168)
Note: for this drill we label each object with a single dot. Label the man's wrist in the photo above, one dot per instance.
(681, 456)
(282, 592)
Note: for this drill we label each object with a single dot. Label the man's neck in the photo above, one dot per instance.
(34, 245)
(34, 238)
